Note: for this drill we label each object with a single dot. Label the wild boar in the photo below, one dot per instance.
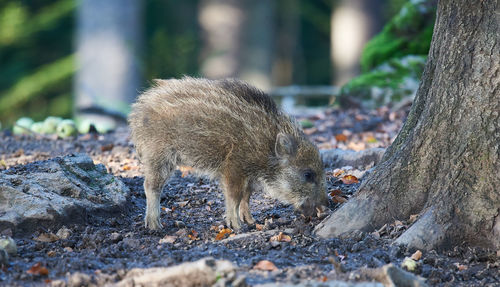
(230, 131)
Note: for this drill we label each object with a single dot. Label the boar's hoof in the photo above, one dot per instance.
(153, 223)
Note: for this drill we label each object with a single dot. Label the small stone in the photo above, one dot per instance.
(63, 233)
(180, 224)
(115, 237)
(9, 245)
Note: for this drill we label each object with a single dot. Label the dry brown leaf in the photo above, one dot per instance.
(335, 192)
(413, 218)
(349, 179)
(47, 237)
(38, 269)
(193, 235)
(341, 137)
(182, 203)
(357, 146)
(222, 234)
(398, 223)
(126, 167)
(338, 199)
(107, 147)
(168, 239)
(281, 238)
(323, 279)
(338, 172)
(186, 170)
(417, 255)
(51, 253)
(265, 265)
(259, 227)
(461, 267)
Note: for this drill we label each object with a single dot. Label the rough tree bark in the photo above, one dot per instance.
(445, 163)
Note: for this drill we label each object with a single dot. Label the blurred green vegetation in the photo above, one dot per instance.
(37, 48)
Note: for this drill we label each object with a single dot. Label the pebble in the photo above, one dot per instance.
(63, 233)
(115, 237)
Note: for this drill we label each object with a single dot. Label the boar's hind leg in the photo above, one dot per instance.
(233, 187)
(245, 214)
(155, 176)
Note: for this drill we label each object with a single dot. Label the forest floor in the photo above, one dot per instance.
(104, 248)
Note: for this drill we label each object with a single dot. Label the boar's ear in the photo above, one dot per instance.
(286, 146)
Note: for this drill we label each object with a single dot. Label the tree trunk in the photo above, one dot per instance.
(445, 163)
(108, 39)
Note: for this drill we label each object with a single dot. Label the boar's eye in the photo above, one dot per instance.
(308, 175)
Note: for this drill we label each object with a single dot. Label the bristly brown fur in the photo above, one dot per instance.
(226, 129)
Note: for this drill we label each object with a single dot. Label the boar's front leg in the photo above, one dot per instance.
(245, 214)
(233, 186)
(155, 176)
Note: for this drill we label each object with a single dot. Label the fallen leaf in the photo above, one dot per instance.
(222, 234)
(338, 199)
(38, 269)
(461, 267)
(259, 227)
(3, 163)
(107, 147)
(341, 137)
(47, 281)
(186, 170)
(182, 203)
(168, 239)
(338, 172)
(413, 218)
(265, 265)
(51, 253)
(370, 139)
(349, 179)
(310, 131)
(335, 192)
(281, 238)
(417, 255)
(193, 235)
(357, 146)
(126, 167)
(47, 237)
(323, 279)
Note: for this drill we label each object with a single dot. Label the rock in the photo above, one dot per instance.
(204, 272)
(63, 233)
(391, 275)
(57, 191)
(9, 245)
(115, 237)
(361, 160)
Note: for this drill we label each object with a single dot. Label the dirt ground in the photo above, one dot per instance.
(192, 215)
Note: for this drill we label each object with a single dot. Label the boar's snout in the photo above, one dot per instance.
(310, 207)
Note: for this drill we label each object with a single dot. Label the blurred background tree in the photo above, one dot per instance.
(275, 43)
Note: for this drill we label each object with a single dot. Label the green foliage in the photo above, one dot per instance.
(387, 83)
(172, 40)
(408, 33)
(36, 44)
